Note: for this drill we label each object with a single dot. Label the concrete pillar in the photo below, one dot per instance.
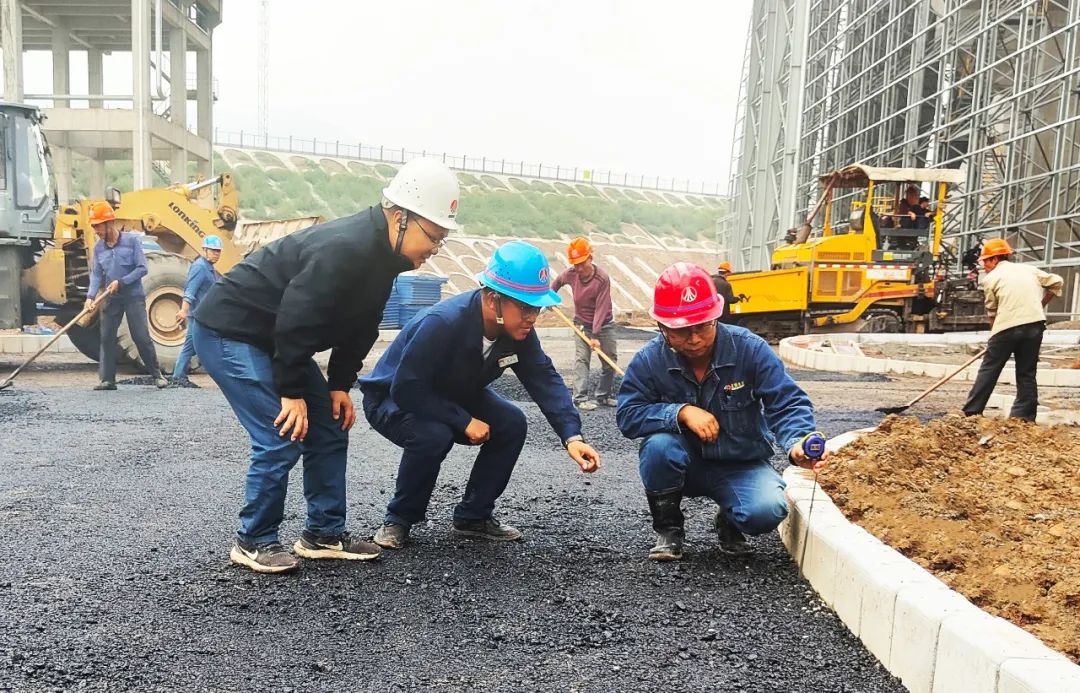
(61, 55)
(140, 88)
(204, 93)
(97, 177)
(61, 84)
(178, 98)
(95, 75)
(11, 45)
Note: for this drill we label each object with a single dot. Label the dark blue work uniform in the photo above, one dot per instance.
(433, 380)
(756, 404)
(123, 262)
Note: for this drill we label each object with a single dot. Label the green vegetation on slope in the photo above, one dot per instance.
(531, 208)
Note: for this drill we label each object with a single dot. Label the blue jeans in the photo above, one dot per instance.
(243, 373)
(751, 494)
(426, 444)
(186, 352)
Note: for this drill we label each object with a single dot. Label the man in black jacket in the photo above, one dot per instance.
(256, 331)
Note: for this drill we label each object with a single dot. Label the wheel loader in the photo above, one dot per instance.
(46, 247)
(868, 269)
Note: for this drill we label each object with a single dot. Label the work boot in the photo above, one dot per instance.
(731, 540)
(490, 529)
(269, 557)
(586, 405)
(392, 535)
(608, 402)
(343, 547)
(667, 516)
(160, 382)
(105, 385)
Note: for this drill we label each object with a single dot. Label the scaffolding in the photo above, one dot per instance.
(986, 86)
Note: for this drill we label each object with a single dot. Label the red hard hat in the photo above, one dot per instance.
(685, 295)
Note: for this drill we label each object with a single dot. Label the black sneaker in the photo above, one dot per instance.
(105, 385)
(490, 529)
(607, 401)
(270, 557)
(668, 545)
(392, 536)
(344, 547)
(732, 542)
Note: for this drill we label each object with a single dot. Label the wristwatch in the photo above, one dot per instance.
(573, 439)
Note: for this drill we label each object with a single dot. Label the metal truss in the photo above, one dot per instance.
(988, 86)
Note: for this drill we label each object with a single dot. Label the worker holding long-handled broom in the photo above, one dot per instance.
(591, 287)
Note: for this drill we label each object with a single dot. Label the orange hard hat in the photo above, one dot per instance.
(724, 266)
(101, 212)
(579, 251)
(994, 248)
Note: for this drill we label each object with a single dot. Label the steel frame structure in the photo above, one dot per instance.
(988, 86)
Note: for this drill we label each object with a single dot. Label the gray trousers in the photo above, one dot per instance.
(111, 317)
(582, 357)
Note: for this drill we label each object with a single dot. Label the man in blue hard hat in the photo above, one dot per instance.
(201, 276)
(431, 390)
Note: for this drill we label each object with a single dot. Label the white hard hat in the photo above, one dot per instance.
(428, 188)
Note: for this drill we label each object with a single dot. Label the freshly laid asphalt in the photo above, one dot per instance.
(116, 510)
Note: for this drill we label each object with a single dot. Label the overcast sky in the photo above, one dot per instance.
(634, 85)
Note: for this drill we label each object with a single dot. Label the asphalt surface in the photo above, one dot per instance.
(116, 510)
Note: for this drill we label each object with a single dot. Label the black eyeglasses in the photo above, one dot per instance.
(525, 309)
(683, 333)
(435, 241)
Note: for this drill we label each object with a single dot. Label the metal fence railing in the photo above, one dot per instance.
(472, 164)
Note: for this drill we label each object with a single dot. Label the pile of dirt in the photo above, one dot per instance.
(991, 506)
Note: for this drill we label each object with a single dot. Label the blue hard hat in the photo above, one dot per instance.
(520, 270)
(212, 243)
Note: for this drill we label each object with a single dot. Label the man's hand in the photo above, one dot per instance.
(798, 457)
(595, 344)
(114, 286)
(294, 416)
(343, 409)
(182, 316)
(89, 304)
(700, 422)
(586, 457)
(477, 432)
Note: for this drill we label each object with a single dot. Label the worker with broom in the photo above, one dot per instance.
(431, 390)
(257, 330)
(1016, 297)
(708, 400)
(118, 266)
(591, 288)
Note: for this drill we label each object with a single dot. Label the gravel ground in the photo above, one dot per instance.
(116, 510)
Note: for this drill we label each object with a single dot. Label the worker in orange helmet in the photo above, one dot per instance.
(1016, 299)
(591, 287)
(723, 288)
(117, 267)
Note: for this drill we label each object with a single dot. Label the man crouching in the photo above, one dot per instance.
(704, 397)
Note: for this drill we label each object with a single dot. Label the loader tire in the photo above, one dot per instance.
(164, 286)
(86, 339)
(881, 322)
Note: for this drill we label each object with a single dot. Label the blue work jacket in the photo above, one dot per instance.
(124, 262)
(436, 367)
(200, 277)
(746, 388)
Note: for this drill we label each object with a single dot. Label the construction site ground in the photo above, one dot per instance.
(989, 505)
(116, 510)
(1051, 356)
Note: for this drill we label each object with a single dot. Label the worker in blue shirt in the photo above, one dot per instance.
(430, 391)
(201, 276)
(708, 400)
(118, 266)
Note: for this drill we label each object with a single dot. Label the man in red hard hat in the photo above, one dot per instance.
(1016, 298)
(591, 287)
(704, 398)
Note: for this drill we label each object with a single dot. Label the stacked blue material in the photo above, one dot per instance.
(411, 294)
